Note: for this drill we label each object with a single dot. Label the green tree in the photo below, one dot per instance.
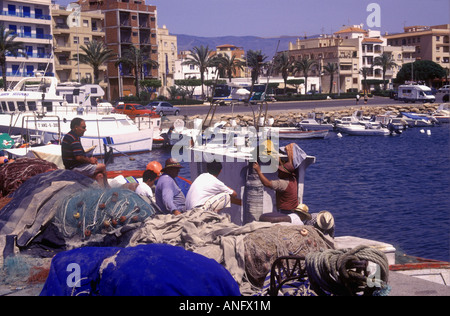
(386, 62)
(189, 85)
(424, 70)
(283, 65)
(255, 61)
(331, 69)
(95, 54)
(136, 59)
(304, 66)
(227, 66)
(200, 57)
(365, 72)
(9, 46)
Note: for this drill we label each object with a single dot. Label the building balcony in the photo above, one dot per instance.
(26, 17)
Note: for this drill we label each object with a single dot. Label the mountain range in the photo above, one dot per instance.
(268, 46)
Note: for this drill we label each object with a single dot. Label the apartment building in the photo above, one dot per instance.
(353, 49)
(167, 55)
(72, 30)
(430, 42)
(127, 23)
(31, 21)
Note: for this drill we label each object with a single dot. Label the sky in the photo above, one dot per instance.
(273, 18)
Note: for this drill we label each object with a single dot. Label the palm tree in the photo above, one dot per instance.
(283, 65)
(136, 59)
(229, 66)
(200, 57)
(365, 72)
(95, 55)
(255, 61)
(8, 46)
(386, 62)
(304, 66)
(331, 69)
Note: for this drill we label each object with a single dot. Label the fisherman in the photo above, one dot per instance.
(169, 197)
(286, 186)
(145, 187)
(209, 193)
(74, 157)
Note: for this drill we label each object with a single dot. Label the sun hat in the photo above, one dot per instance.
(171, 163)
(325, 220)
(303, 209)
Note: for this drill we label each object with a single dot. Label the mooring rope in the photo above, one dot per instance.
(344, 272)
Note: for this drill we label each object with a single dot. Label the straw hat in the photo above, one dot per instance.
(172, 163)
(325, 220)
(304, 210)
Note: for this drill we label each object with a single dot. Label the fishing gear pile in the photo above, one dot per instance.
(97, 211)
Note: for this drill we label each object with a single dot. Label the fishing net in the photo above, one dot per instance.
(13, 174)
(264, 246)
(96, 211)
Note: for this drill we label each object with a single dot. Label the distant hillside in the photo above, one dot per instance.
(267, 45)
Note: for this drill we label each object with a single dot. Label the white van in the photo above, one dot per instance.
(413, 93)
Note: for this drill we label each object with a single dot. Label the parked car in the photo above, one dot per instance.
(445, 89)
(163, 108)
(133, 110)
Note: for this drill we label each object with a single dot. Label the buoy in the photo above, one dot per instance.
(76, 215)
(122, 219)
(87, 233)
(339, 135)
(428, 132)
(304, 232)
(422, 131)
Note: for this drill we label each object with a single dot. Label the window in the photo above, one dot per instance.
(11, 9)
(75, 39)
(13, 28)
(86, 40)
(26, 12)
(21, 106)
(27, 31)
(85, 23)
(32, 105)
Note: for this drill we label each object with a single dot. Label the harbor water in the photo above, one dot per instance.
(394, 189)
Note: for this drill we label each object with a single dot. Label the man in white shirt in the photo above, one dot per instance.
(209, 193)
(145, 188)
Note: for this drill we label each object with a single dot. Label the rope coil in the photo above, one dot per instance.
(344, 272)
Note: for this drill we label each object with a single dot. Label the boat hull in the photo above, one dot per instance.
(295, 133)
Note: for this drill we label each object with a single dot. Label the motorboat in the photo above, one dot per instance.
(356, 119)
(41, 106)
(419, 120)
(315, 121)
(361, 130)
(442, 113)
(298, 133)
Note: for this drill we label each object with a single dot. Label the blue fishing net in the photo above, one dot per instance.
(97, 211)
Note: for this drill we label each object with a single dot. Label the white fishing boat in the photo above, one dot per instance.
(361, 130)
(315, 121)
(237, 149)
(39, 106)
(419, 120)
(298, 133)
(442, 113)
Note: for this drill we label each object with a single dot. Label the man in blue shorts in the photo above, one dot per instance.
(74, 157)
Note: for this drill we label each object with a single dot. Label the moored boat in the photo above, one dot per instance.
(44, 110)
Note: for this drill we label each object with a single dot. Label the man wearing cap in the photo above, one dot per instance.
(169, 196)
(285, 187)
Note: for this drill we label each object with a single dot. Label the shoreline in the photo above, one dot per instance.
(286, 118)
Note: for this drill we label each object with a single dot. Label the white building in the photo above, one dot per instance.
(32, 22)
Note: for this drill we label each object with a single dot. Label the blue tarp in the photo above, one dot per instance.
(144, 270)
